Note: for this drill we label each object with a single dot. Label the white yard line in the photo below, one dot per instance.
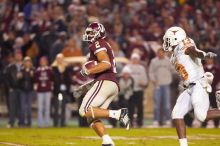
(198, 137)
(11, 144)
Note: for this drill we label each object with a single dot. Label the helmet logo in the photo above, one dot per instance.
(174, 32)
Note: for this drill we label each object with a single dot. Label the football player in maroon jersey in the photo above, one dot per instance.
(105, 88)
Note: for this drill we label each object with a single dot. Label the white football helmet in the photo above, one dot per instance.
(172, 37)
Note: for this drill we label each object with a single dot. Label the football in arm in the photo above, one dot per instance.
(90, 64)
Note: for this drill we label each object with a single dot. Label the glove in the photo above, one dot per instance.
(84, 71)
(210, 55)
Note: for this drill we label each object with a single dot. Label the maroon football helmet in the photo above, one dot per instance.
(93, 32)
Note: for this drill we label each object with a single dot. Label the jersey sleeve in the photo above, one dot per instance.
(186, 43)
(98, 46)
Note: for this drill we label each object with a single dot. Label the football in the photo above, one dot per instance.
(90, 64)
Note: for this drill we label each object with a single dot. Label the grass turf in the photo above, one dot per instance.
(86, 137)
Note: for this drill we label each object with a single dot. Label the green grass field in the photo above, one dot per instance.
(86, 137)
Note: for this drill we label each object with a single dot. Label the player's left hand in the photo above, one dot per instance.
(210, 55)
(84, 71)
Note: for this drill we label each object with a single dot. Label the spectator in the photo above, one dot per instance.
(71, 49)
(62, 81)
(139, 75)
(126, 84)
(136, 43)
(59, 19)
(13, 75)
(30, 47)
(211, 66)
(32, 7)
(57, 46)
(19, 43)
(117, 53)
(160, 73)
(26, 82)
(43, 78)
(46, 40)
(19, 25)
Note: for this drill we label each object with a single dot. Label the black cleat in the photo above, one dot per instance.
(108, 144)
(124, 119)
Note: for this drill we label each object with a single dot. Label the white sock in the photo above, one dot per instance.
(106, 139)
(183, 142)
(115, 114)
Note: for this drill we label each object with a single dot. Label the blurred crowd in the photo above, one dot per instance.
(35, 36)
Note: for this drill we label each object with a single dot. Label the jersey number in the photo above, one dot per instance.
(182, 71)
(97, 45)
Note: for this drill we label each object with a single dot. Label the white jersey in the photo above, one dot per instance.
(189, 69)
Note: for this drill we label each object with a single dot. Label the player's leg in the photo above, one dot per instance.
(200, 101)
(89, 98)
(94, 106)
(96, 96)
(214, 113)
(182, 107)
(100, 130)
(98, 126)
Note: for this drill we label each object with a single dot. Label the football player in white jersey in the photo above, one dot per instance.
(186, 59)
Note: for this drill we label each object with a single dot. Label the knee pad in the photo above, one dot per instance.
(201, 116)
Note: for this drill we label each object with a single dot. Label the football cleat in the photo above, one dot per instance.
(108, 145)
(124, 119)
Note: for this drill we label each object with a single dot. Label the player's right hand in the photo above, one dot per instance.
(210, 55)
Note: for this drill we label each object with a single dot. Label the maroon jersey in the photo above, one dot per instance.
(43, 78)
(100, 45)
